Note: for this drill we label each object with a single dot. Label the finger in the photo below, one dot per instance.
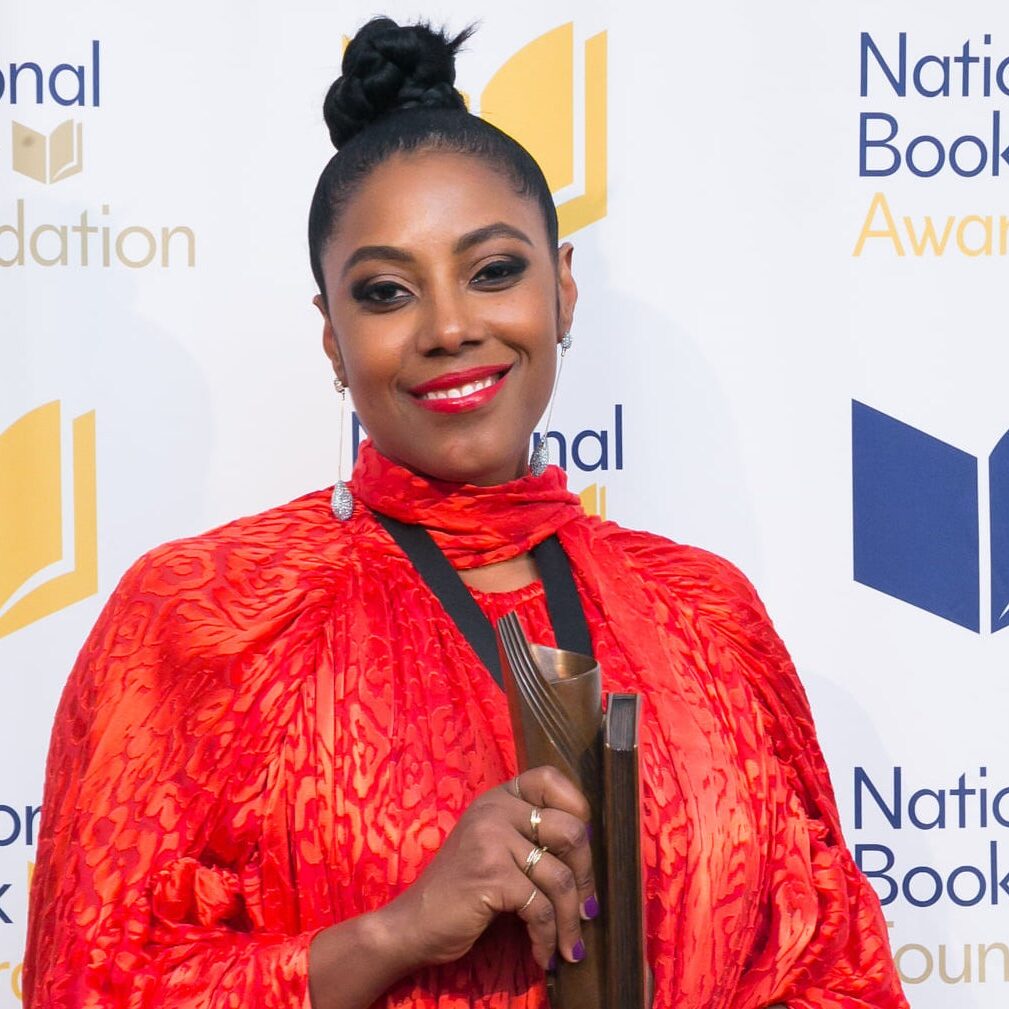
(567, 837)
(546, 786)
(536, 910)
(557, 883)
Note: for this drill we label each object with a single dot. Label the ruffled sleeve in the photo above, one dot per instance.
(164, 730)
(824, 943)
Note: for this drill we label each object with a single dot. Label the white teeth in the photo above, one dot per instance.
(463, 390)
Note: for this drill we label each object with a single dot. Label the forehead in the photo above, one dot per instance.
(426, 200)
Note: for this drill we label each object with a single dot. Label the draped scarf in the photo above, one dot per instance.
(473, 525)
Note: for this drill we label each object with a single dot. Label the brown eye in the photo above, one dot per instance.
(500, 273)
(383, 293)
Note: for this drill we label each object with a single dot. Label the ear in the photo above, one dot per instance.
(567, 290)
(330, 344)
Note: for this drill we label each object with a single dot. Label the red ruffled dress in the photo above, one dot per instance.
(273, 727)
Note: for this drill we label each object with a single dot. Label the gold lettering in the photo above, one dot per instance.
(152, 247)
(928, 236)
(60, 258)
(898, 959)
(981, 250)
(879, 205)
(166, 236)
(982, 955)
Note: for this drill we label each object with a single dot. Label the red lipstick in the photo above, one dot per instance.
(460, 391)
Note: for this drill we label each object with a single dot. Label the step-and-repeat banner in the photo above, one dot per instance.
(791, 227)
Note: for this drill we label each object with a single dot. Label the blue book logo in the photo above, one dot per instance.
(916, 519)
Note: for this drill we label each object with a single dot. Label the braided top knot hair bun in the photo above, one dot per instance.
(396, 96)
(387, 68)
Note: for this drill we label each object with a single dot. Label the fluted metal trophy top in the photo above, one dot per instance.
(555, 702)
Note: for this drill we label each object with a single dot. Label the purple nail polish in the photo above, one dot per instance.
(578, 953)
(552, 964)
(592, 908)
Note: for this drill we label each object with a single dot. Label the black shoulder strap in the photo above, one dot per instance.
(444, 581)
(563, 603)
(571, 629)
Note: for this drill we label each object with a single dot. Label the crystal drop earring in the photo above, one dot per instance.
(540, 458)
(342, 501)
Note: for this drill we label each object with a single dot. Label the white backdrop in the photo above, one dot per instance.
(723, 310)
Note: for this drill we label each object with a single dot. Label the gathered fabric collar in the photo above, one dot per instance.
(472, 525)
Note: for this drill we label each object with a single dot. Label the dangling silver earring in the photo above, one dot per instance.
(342, 501)
(540, 458)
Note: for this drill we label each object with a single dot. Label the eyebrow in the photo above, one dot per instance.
(390, 253)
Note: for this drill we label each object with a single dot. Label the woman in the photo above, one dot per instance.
(280, 774)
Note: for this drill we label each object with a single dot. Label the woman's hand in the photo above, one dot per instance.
(480, 872)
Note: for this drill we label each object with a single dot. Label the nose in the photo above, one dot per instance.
(449, 324)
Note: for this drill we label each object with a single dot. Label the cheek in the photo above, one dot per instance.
(370, 351)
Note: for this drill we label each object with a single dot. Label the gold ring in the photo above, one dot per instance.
(532, 859)
(532, 897)
(535, 816)
(518, 790)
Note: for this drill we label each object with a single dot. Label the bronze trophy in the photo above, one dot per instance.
(555, 701)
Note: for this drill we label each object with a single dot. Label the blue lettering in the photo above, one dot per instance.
(996, 882)
(940, 156)
(996, 807)
(31, 816)
(881, 874)
(939, 798)
(966, 870)
(15, 831)
(898, 82)
(864, 143)
(60, 91)
(618, 431)
(996, 143)
(982, 156)
(892, 813)
(930, 873)
(943, 88)
(78, 74)
(602, 460)
(3, 916)
(562, 444)
(16, 71)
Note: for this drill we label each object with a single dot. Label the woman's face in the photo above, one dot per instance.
(445, 308)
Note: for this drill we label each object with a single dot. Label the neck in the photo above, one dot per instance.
(475, 525)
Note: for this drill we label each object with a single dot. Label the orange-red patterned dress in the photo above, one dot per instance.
(273, 727)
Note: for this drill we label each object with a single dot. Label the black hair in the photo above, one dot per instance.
(396, 94)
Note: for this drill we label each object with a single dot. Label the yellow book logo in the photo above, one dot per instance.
(532, 98)
(594, 499)
(48, 159)
(31, 517)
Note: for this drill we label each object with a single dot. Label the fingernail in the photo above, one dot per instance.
(552, 964)
(590, 909)
(578, 953)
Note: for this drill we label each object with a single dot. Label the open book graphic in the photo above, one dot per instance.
(532, 98)
(48, 159)
(917, 519)
(34, 580)
(594, 499)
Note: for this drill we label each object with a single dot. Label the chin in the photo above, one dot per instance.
(468, 465)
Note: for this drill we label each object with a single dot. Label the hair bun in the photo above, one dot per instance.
(387, 67)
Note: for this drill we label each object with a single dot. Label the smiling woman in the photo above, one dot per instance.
(440, 278)
(281, 774)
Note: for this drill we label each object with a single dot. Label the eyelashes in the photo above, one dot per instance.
(499, 272)
(381, 295)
